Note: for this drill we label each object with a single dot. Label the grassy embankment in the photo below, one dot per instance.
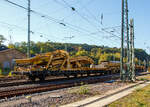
(139, 98)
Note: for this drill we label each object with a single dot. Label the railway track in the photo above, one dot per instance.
(15, 82)
(7, 79)
(23, 82)
(53, 86)
(48, 87)
(26, 82)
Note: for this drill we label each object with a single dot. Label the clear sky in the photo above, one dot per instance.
(84, 25)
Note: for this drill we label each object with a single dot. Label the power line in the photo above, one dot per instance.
(89, 21)
(111, 33)
(74, 27)
(45, 16)
(40, 33)
(48, 17)
(90, 13)
(16, 4)
(73, 9)
(13, 25)
(24, 29)
(112, 27)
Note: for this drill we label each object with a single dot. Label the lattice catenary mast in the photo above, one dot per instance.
(124, 73)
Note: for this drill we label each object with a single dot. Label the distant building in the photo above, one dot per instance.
(7, 56)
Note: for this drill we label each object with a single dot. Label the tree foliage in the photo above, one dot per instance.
(97, 53)
(2, 39)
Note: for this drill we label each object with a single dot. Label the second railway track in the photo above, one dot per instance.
(55, 85)
(48, 87)
(26, 82)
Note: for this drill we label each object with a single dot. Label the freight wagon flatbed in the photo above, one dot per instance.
(66, 72)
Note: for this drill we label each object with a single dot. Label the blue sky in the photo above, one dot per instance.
(84, 24)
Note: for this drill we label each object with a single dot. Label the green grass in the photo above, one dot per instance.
(83, 90)
(144, 78)
(139, 98)
(0, 71)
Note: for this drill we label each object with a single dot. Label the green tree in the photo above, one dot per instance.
(117, 56)
(2, 39)
(11, 46)
(82, 53)
(97, 53)
(103, 57)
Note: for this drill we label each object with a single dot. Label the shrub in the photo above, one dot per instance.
(10, 74)
(143, 79)
(83, 90)
(0, 71)
(138, 90)
(140, 104)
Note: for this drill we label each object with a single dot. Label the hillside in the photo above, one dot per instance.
(98, 53)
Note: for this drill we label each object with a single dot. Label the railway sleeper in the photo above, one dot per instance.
(75, 75)
(31, 77)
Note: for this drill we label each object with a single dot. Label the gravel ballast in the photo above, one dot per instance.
(63, 96)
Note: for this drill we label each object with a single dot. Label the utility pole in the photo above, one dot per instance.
(122, 43)
(124, 73)
(132, 64)
(127, 36)
(28, 47)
